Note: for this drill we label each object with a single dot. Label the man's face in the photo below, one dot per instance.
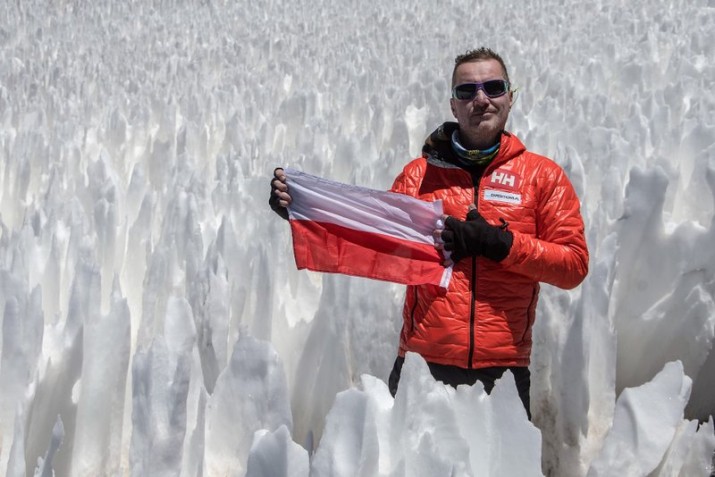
(482, 118)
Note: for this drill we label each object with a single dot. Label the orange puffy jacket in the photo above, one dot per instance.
(485, 317)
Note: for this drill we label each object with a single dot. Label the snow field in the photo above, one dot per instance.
(153, 322)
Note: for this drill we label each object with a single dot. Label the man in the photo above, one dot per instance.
(522, 225)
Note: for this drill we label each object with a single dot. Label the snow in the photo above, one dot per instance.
(455, 432)
(153, 321)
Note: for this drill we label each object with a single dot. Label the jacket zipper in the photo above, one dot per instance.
(476, 179)
(472, 312)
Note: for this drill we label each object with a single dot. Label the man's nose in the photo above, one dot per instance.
(481, 97)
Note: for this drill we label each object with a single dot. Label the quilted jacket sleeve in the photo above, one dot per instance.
(558, 254)
(408, 181)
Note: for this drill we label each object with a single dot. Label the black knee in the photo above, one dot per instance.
(394, 379)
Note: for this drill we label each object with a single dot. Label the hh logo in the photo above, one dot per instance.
(504, 179)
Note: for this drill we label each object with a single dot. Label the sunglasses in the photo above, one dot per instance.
(492, 88)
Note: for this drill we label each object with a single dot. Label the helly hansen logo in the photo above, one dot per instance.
(504, 179)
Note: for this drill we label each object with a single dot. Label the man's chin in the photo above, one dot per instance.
(481, 133)
(482, 127)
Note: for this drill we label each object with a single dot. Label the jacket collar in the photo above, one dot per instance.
(438, 147)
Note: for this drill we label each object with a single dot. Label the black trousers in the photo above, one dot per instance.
(454, 376)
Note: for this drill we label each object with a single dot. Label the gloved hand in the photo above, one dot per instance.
(279, 198)
(475, 237)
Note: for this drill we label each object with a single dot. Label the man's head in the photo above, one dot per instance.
(481, 97)
(480, 54)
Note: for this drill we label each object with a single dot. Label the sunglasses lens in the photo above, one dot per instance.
(465, 91)
(495, 88)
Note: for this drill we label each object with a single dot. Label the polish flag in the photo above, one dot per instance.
(340, 228)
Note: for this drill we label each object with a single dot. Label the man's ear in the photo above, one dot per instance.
(451, 105)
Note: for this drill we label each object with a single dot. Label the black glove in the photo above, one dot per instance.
(475, 237)
(273, 201)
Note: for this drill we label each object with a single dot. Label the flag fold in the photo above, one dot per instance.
(341, 228)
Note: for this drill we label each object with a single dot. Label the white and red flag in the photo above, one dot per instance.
(340, 228)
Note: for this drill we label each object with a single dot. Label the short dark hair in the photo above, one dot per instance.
(480, 54)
